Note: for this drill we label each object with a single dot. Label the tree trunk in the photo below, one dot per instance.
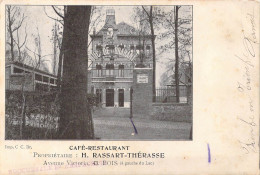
(153, 47)
(22, 121)
(176, 56)
(10, 32)
(54, 49)
(75, 115)
(60, 64)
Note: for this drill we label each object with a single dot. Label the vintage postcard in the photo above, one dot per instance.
(129, 87)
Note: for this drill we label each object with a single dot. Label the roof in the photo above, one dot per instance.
(126, 29)
(123, 29)
(30, 68)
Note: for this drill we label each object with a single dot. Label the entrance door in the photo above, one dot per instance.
(121, 97)
(109, 97)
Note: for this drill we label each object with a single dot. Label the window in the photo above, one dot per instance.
(18, 71)
(139, 49)
(52, 81)
(121, 46)
(99, 50)
(148, 49)
(109, 70)
(38, 77)
(111, 49)
(45, 79)
(121, 70)
(132, 48)
(99, 70)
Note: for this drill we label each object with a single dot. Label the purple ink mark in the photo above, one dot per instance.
(134, 126)
(209, 156)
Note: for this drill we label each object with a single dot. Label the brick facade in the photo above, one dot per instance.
(116, 50)
(142, 92)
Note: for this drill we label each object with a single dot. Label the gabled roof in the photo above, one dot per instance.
(123, 29)
(126, 29)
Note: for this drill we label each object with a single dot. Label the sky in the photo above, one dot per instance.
(36, 17)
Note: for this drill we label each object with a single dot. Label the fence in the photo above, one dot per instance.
(168, 94)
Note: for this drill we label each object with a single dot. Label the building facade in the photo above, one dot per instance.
(116, 50)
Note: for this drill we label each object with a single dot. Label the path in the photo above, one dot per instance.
(114, 124)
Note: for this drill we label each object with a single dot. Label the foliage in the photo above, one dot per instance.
(45, 104)
(36, 104)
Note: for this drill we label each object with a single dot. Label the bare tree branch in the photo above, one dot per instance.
(60, 21)
(20, 24)
(57, 12)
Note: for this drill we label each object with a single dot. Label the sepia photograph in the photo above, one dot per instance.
(129, 87)
(91, 72)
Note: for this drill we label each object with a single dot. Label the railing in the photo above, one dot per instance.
(117, 73)
(27, 85)
(168, 94)
(110, 78)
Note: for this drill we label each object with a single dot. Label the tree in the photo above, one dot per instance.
(95, 19)
(176, 12)
(150, 19)
(15, 19)
(143, 31)
(179, 27)
(75, 114)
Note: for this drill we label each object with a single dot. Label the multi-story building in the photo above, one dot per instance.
(116, 50)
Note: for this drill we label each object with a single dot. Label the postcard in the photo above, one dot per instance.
(129, 87)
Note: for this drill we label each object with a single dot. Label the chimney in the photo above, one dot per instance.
(110, 18)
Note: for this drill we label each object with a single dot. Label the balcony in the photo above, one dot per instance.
(115, 75)
(110, 77)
